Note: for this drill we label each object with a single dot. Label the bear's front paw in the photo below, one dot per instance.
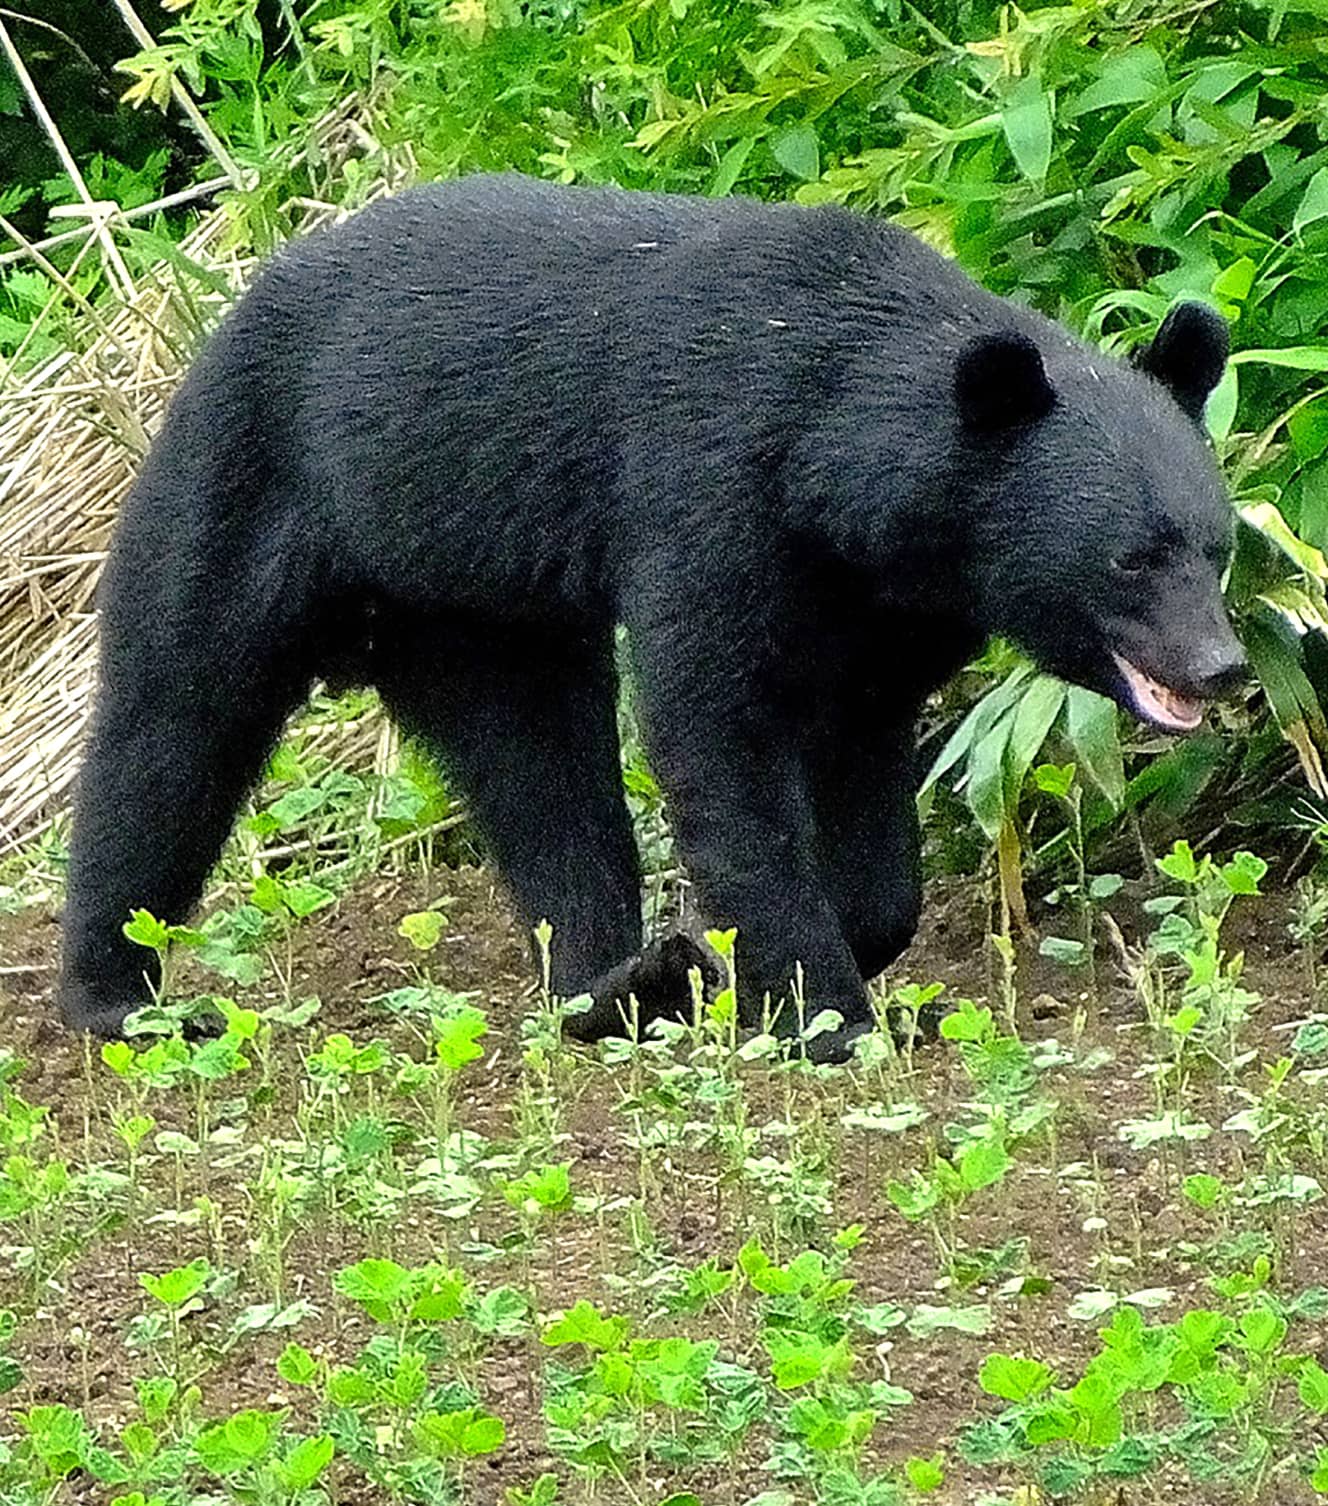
(658, 978)
(87, 1009)
(835, 1047)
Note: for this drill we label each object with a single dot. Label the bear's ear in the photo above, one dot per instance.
(1000, 382)
(1188, 355)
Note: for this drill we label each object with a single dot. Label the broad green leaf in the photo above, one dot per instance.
(1292, 357)
(377, 1285)
(927, 1320)
(1131, 77)
(1312, 1386)
(1092, 725)
(1014, 1378)
(175, 1288)
(983, 1163)
(1313, 205)
(925, 1474)
(584, 1324)
(1038, 708)
(306, 1461)
(1202, 1189)
(144, 929)
(241, 1441)
(423, 929)
(457, 1037)
(296, 1366)
(798, 151)
(1026, 121)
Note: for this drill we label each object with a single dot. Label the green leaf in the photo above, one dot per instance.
(439, 1295)
(1055, 779)
(1291, 357)
(304, 899)
(1313, 205)
(584, 1324)
(457, 1036)
(464, 1434)
(1203, 1189)
(927, 1320)
(175, 1288)
(1179, 863)
(1026, 121)
(379, 1286)
(994, 706)
(1235, 282)
(294, 808)
(423, 929)
(730, 167)
(1243, 873)
(1014, 1378)
(1065, 950)
(1131, 77)
(504, 1311)
(1092, 725)
(306, 1461)
(296, 1366)
(797, 149)
(986, 788)
(1220, 409)
(1312, 1386)
(1038, 708)
(966, 1022)
(983, 1163)
(144, 929)
(241, 1441)
(1261, 1330)
(925, 1474)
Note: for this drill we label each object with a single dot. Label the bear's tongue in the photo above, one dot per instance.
(1157, 703)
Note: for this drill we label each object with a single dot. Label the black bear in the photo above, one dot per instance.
(805, 461)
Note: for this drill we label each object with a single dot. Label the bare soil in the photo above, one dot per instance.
(73, 1347)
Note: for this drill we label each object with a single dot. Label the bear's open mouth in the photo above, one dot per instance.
(1158, 703)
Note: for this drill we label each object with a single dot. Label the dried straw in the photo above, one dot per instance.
(72, 434)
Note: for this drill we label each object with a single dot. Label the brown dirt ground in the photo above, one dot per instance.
(73, 1348)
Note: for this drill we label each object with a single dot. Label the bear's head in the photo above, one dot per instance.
(1102, 527)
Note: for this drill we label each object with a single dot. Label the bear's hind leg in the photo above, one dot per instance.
(198, 674)
(526, 719)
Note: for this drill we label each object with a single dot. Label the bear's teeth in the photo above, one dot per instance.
(1158, 703)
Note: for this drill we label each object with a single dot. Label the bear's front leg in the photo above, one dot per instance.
(863, 780)
(743, 821)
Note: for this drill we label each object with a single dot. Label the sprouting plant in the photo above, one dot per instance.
(1212, 1005)
(284, 901)
(1082, 893)
(1308, 925)
(179, 1293)
(947, 1185)
(252, 1455)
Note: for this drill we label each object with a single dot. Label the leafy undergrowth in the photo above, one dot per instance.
(388, 1239)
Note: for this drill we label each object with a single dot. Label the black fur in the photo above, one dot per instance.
(810, 465)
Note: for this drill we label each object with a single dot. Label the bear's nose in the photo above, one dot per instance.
(1220, 671)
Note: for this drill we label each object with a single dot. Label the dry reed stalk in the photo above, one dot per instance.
(72, 434)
